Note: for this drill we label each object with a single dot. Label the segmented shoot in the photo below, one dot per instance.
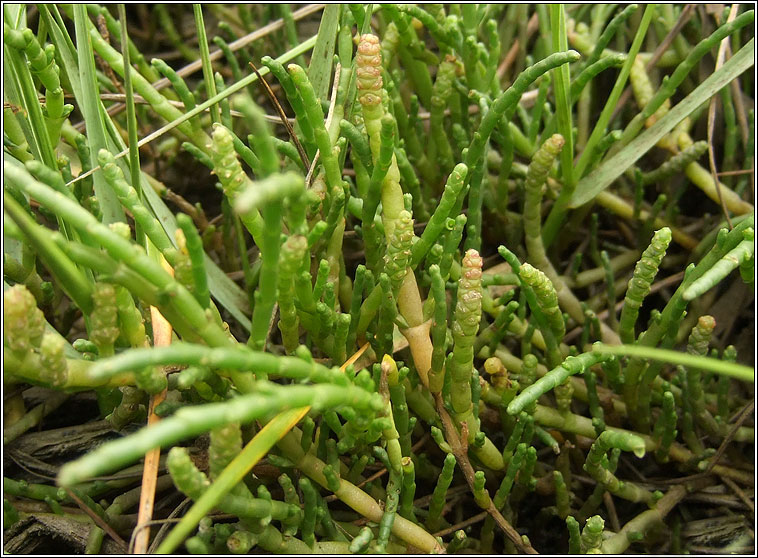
(639, 285)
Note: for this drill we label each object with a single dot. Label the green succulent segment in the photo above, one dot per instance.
(468, 311)
(737, 256)
(440, 491)
(24, 322)
(536, 175)
(398, 253)
(546, 296)
(44, 67)
(676, 164)
(437, 222)
(193, 482)
(369, 83)
(502, 106)
(639, 285)
(290, 258)
(439, 331)
(665, 427)
(104, 319)
(448, 70)
(592, 70)
(233, 179)
(571, 366)
(625, 442)
(592, 535)
(52, 359)
(129, 198)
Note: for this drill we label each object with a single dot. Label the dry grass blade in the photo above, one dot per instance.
(242, 42)
(510, 57)
(282, 116)
(120, 97)
(161, 338)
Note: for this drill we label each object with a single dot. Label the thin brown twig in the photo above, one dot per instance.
(740, 418)
(425, 500)
(166, 522)
(280, 111)
(739, 492)
(736, 172)
(451, 435)
(99, 521)
(510, 56)
(612, 515)
(730, 435)
(462, 525)
(107, 70)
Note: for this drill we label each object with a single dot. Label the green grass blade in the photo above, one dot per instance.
(210, 84)
(253, 452)
(15, 15)
(93, 112)
(599, 130)
(562, 81)
(320, 68)
(562, 84)
(23, 93)
(131, 117)
(607, 172)
(252, 78)
(721, 367)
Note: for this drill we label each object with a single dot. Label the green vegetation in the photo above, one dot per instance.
(356, 291)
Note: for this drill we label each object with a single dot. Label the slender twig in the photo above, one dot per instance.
(510, 57)
(741, 417)
(746, 412)
(165, 524)
(462, 525)
(99, 521)
(735, 172)
(611, 507)
(451, 435)
(282, 116)
(739, 492)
